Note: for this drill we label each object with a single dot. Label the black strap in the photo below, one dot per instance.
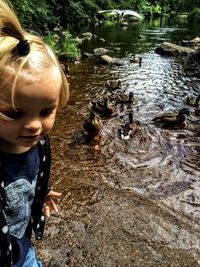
(37, 216)
(5, 240)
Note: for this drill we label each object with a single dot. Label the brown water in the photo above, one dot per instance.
(132, 202)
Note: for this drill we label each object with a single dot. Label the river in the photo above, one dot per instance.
(132, 202)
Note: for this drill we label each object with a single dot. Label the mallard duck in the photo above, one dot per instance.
(123, 98)
(113, 84)
(102, 109)
(192, 101)
(136, 59)
(126, 130)
(129, 128)
(92, 125)
(172, 119)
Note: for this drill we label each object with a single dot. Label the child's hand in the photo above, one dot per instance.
(49, 203)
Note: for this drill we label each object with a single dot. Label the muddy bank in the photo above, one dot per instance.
(114, 229)
(110, 228)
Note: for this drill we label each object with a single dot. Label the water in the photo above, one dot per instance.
(156, 162)
(157, 168)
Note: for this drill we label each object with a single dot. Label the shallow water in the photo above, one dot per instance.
(153, 176)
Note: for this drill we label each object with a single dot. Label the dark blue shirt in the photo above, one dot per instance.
(19, 172)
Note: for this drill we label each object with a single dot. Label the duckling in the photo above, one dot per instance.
(172, 119)
(136, 59)
(123, 98)
(102, 109)
(92, 125)
(113, 84)
(192, 101)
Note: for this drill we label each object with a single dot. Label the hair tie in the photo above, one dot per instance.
(23, 47)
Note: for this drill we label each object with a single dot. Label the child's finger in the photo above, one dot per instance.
(54, 194)
(47, 211)
(54, 206)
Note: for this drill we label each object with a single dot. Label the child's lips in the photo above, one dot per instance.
(30, 137)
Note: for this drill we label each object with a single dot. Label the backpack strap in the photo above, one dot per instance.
(37, 216)
(5, 240)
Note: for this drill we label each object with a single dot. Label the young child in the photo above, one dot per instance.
(32, 88)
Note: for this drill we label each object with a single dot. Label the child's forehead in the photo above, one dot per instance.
(39, 87)
(24, 78)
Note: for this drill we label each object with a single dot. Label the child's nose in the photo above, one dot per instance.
(32, 124)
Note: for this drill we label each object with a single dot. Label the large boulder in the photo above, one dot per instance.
(173, 50)
(191, 43)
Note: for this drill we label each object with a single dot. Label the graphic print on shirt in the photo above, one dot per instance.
(19, 198)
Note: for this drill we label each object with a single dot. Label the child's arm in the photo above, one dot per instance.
(50, 203)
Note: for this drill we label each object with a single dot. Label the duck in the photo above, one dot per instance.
(192, 101)
(172, 119)
(123, 98)
(125, 130)
(102, 109)
(113, 84)
(129, 128)
(136, 59)
(92, 125)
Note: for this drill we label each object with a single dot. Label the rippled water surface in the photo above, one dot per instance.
(157, 164)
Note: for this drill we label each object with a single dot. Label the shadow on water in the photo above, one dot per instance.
(134, 201)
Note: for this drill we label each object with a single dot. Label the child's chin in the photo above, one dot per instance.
(30, 143)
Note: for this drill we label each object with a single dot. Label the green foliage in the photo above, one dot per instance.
(105, 4)
(75, 12)
(90, 5)
(63, 45)
(34, 13)
(156, 10)
(194, 16)
(109, 23)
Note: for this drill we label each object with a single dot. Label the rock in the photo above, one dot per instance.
(87, 35)
(173, 50)
(191, 43)
(87, 55)
(102, 40)
(117, 61)
(105, 59)
(56, 29)
(100, 51)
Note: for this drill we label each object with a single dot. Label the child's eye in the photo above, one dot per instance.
(46, 112)
(13, 114)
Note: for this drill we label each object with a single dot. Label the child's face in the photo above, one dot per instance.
(36, 104)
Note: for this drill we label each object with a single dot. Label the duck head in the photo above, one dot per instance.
(184, 111)
(131, 96)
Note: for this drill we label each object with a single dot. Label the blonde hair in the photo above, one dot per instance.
(40, 58)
